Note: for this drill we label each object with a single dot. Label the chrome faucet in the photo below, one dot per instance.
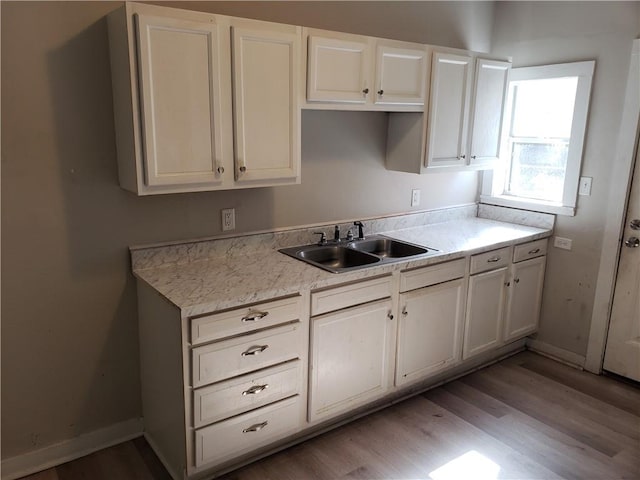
(323, 238)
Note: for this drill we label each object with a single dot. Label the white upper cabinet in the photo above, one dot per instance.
(465, 111)
(180, 101)
(193, 115)
(365, 72)
(266, 64)
(400, 75)
(338, 69)
(488, 106)
(449, 110)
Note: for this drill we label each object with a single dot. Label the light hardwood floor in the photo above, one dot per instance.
(526, 417)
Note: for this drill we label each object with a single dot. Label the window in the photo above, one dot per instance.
(545, 120)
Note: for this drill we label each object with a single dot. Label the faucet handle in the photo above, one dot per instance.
(323, 237)
(360, 230)
(349, 236)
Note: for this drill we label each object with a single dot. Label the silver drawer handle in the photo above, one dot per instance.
(256, 349)
(493, 259)
(252, 317)
(533, 252)
(255, 428)
(255, 389)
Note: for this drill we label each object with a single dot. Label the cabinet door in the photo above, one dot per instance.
(180, 101)
(266, 111)
(338, 70)
(448, 110)
(524, 297)
(351, 352)
(400, 75)
(429, 330)
(489, 97)
(483, 324)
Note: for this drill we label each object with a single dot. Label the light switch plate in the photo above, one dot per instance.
(415, 197)
(585, 186)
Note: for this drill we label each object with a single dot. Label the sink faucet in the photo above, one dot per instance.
(360, 230)
(336, 233)
(323, 237)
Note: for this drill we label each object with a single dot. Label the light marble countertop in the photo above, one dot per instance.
(218, 283)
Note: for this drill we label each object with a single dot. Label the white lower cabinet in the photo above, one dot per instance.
(525, 295)
(483, 324)
(350, 358)
(429, 330)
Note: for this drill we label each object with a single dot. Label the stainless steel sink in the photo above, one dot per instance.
(336, 257)
(388, 248)
(345, 256)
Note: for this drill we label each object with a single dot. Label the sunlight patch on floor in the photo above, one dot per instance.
(470, 465)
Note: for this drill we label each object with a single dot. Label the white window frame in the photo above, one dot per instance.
(493, 181)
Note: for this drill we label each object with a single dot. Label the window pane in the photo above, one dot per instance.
(537, 170)
(544, 108)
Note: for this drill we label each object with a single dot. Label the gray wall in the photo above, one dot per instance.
(69, 329)
(536, 33)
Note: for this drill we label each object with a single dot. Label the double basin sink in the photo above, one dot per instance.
(351, 255)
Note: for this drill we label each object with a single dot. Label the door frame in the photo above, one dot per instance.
(616, 213)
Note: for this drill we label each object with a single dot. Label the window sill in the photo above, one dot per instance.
(528, 204)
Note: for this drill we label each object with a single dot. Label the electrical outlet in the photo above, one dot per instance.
(415, 197)
(585, 186)
(563, 243)
(228, 219)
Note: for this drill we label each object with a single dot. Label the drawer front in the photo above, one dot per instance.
(238, 435)
(245, 319)
(484, 262)
(432, 275)
(226, 399)
(350, 295)
(530, 250)
(227, 359)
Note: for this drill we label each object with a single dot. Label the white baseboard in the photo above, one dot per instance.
(59, 453)
(556, 353)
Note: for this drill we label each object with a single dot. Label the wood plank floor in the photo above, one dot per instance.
(526, 417)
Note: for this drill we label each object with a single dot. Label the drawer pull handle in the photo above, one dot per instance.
(255, 428)
(533, 252)
(255, 389)
(493, 259)
(256, 349)
(255, 316)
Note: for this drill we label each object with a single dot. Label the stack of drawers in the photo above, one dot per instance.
(247, 378)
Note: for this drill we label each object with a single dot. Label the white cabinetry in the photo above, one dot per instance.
(181, 113)
(504, 296)
(357, 70)
(485, 303)
(352, 351)
(219, 386)
(525, 290)
(266, 64)
(430, 321)
(174, 73)
(464, 129)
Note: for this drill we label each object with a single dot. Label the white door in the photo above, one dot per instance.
(483, 323)
(448, 110)
(429, 330)
(488, 105)
(622, 353)
(180, 101)
(338, 70)
(400, 75)
(523, 298)
(266, 112)
(350, 357)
